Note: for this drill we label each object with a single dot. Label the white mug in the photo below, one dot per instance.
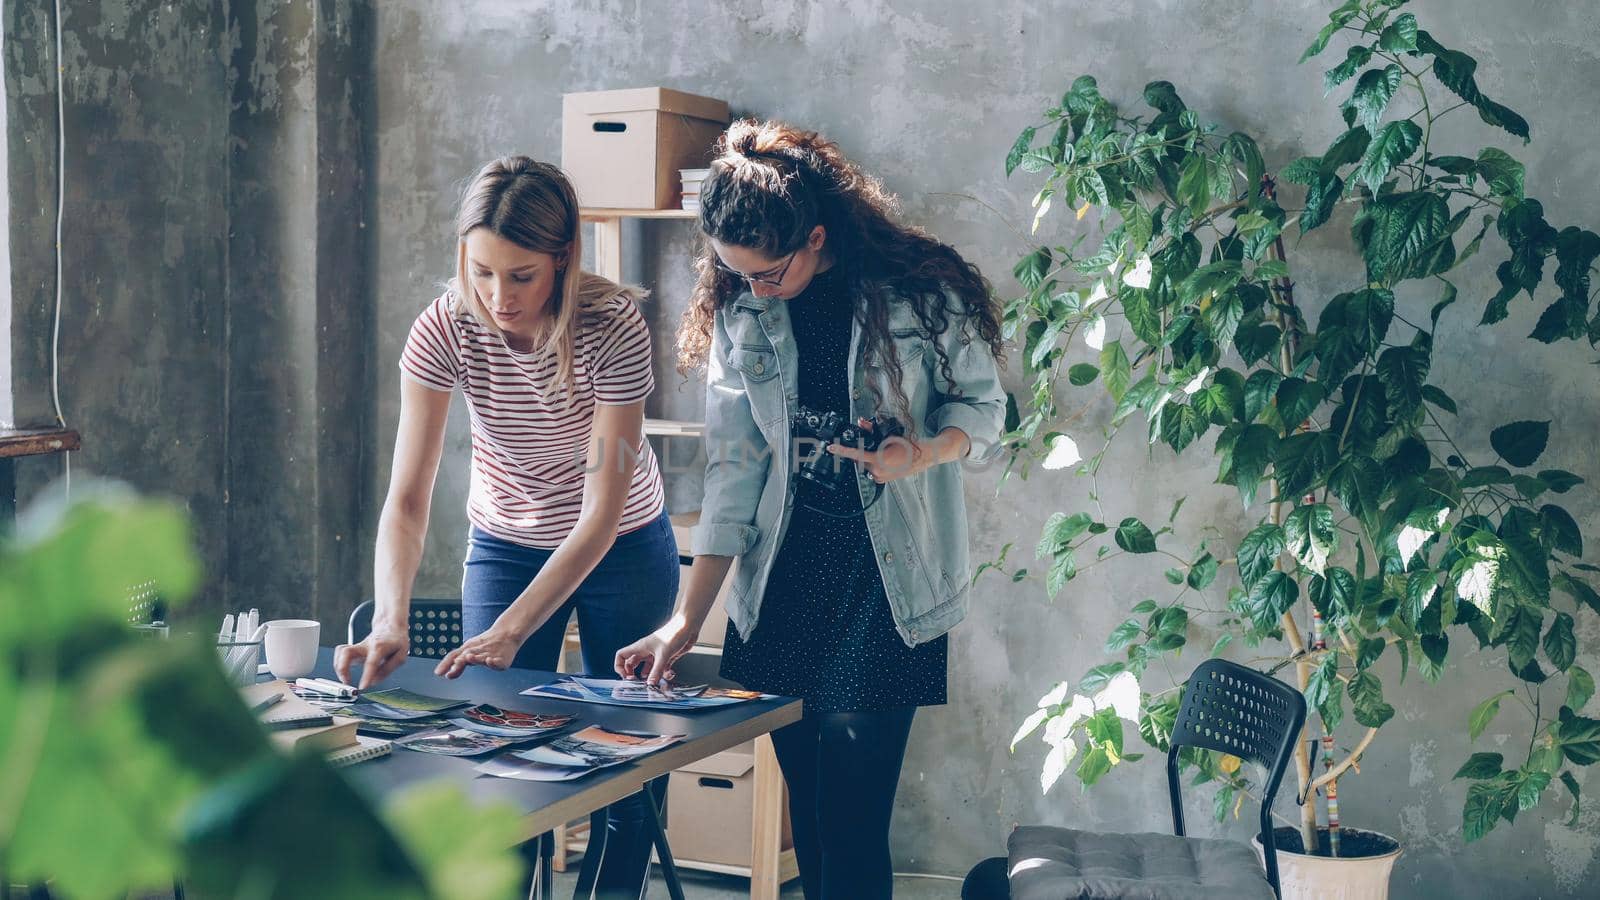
(292, 646)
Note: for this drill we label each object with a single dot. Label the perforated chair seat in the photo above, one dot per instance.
(1048, 863)
(434, 628)
(1226, 708)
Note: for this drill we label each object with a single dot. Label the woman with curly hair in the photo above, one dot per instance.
(815, 306)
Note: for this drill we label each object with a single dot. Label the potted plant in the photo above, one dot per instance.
(1368, 532)
(129, 763)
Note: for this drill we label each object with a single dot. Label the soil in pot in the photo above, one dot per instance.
(1353, 843)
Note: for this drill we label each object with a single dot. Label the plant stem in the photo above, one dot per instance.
(1339, 769)
(1302, 753)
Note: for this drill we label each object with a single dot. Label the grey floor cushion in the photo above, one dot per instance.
(1048, 863)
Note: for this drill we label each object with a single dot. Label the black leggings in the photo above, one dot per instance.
(842, 769)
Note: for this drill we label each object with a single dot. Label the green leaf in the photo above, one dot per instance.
(1560, 644)
(1579, 738)
(1373, 92)
(1143, 317)
(1400, 36)
(1503, 174)
(1455, 71)
(1480, 766)
(1063, 570)
(1346, 149)
(1259, 390)
(1334, 592)
(1439, 398)
(1482, 715)
(1578, 590)
(1031, 269)
(1572, 788)
(1100, 676)
(1297, 399)
(1521, 443)
(1310, 535)
(1181, 425)
(1303, 460)
(1580, 687)
(1485, 800)
(1366, 700)
(1194, 184)
(1403, 371)
(1135, 537)
(1252, 453)
(1368, 651)
(1024, 141)
(1394, 144)
(1358, 482)
(1522, 635)
(1094, 765)
(1203, 572)
(1059, 531)
(1082, 374)
(1115, 369)
(1560, 531)
(1559, 481)
(1486, 475)
(1270, 598)
(1322, 195)
(1123, 635)
(1258, 552)
(1323, 695)
(1404, 227)
(1211, 280)
(1355, 58)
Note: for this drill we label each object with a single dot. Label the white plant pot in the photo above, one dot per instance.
(1306, 877)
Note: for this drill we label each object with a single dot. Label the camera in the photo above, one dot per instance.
(823, 468)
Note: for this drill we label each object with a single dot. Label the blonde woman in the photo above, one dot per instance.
(566, 506)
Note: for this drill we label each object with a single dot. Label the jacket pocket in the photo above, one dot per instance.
(757, 364)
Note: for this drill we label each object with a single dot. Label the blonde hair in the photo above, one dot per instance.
(532, 204)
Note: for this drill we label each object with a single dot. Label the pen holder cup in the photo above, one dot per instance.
(239, 659)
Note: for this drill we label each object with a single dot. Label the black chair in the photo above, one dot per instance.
(434, 627)
(1226, 707)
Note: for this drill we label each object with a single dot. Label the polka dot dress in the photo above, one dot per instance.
(825, 633)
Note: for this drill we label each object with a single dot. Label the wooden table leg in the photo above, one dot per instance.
(766, 826)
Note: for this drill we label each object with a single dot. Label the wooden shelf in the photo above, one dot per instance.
(16, 442)
(595, 215)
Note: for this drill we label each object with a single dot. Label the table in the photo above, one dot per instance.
(546, 805)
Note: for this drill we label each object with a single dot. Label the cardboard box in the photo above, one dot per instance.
(715, 629)
(711, 809)
(623, 149)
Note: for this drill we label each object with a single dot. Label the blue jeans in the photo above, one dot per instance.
(630, 593)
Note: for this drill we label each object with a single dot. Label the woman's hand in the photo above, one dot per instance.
(495, 648)
(379, 655)
(901, 457)
(658, 650)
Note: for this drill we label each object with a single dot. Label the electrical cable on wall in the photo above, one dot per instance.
(61, 202)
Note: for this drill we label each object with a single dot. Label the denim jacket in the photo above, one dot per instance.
(918, 527)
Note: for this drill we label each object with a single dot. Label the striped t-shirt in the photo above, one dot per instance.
(529, 448)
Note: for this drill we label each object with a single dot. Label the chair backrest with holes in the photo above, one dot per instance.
(434, 627)
(1236, 710)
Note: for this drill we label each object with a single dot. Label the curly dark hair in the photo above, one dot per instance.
(770, 185)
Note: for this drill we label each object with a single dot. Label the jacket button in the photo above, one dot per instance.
(888, 557)
(760, 367)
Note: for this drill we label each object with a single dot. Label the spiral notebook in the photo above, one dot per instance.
(363, 749)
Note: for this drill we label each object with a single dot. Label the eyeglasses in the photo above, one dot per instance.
(761, 279)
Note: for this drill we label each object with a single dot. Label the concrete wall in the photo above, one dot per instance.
(930, 95)
(215, 324)
(260, 199)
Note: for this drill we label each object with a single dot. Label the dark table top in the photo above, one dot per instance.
(544, 805)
